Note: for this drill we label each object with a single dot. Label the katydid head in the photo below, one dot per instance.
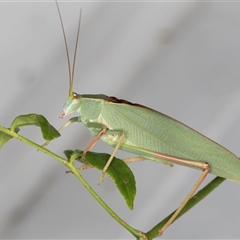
(72, 104)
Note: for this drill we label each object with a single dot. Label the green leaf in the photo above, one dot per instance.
(48, 131)
(5, 137)
(118, 171)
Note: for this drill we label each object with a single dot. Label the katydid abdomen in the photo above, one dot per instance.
(149, 133)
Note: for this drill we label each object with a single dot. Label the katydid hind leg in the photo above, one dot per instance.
(206, 168)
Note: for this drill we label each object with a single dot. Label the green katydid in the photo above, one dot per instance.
(149, 134)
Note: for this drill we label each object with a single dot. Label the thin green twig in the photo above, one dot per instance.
(138, 234)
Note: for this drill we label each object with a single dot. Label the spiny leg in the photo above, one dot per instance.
(94, 141)
(206, 168)
(114, 153)
(89, 147)
(104, 131)
(111, 157)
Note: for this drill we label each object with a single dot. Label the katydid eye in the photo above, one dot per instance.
(75, 97)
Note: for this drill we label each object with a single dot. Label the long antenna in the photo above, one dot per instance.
(76, 44)
(70, 72)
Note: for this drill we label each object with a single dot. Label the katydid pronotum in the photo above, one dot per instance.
(148, 134)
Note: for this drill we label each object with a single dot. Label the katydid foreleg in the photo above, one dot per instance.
(94, 141)
(72, 120)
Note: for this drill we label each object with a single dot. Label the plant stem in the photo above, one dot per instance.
(138, 234)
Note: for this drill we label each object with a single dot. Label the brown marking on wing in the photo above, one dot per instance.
(122, 101)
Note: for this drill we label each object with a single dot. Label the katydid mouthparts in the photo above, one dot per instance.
(147, 133)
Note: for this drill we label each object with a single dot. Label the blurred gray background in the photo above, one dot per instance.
(182, 59)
